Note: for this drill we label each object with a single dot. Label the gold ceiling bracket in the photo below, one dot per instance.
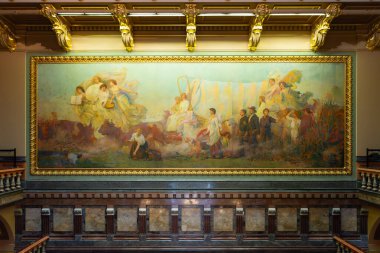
(120, 12)
(321, 28)
(61, 30)
(191, 13)
(7, 37)
(373, 40)
(262, 12)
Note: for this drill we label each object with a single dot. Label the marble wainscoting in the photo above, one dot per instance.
(223, 219)
(255, 219)
(319, 219)
(287, 219)
(94, 219)
(349, 219)
(63, 219)
(191, 219)
(159, 219)
(32, 219)
(126, 219)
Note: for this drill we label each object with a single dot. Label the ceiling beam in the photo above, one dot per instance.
(321, 28)
(120, 12)
(7, 37)
(373, 40)
(61, 30)
(191, 13)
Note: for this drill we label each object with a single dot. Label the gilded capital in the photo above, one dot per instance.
(373, 40)
(61, 30)
(321, 28)
(120, 12)
(191, 13)
(262, 12)
(7, 37)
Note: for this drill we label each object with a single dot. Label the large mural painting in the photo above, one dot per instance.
(191, 115)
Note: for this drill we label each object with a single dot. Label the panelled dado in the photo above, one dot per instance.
(164, 215)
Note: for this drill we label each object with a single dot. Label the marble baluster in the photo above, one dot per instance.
(18, 181)
(13, 181)
(364, 183)
(369, 182)
(374, 183)
(7, 185)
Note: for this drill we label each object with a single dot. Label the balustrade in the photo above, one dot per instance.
(37, 246)
(370, 179)
(345, 247)
(10, 179)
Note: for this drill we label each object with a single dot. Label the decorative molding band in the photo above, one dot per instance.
(202, 195)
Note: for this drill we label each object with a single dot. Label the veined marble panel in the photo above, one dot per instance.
(255, 219)
(287, 219)
(63, 220)
(319, 220)
(223, 219)
(191, 219)
(33, 219)
(349, 219)
(95, 220)
(159, 219)
(126, 219)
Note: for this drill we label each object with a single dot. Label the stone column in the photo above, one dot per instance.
(336, 221)
(78, 217)
(110, 222)
(45, 221)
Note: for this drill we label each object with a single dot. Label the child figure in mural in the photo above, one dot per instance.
(139, 147)
(213, 130)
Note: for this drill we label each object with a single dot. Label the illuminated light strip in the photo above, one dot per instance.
(162, 14)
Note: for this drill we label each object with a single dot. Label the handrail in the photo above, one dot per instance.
(341, 243)
(13, 170)
(36, 245)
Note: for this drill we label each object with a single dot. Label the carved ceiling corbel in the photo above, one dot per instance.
(262, 12)
(61, 30)
(191, 13)
(373, 40)
(120, 12)
(321, 28)
(7, 37)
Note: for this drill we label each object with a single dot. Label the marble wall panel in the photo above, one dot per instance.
(319, 220)
(349, 219)
(191, 219)
(63, 220)
(126, 219)
(95, 220)
(33, 219)
(287, 219)
(255, 219)
(223, 219)
(159, 219)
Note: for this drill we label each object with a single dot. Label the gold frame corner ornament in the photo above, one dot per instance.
(262, 12)
(62, 31)
(33, 145)
(120, 12)
(7, 37)
(320, 29)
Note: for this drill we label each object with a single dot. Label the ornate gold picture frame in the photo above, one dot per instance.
(190, 115)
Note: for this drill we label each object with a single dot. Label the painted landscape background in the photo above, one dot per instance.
(87, 114)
